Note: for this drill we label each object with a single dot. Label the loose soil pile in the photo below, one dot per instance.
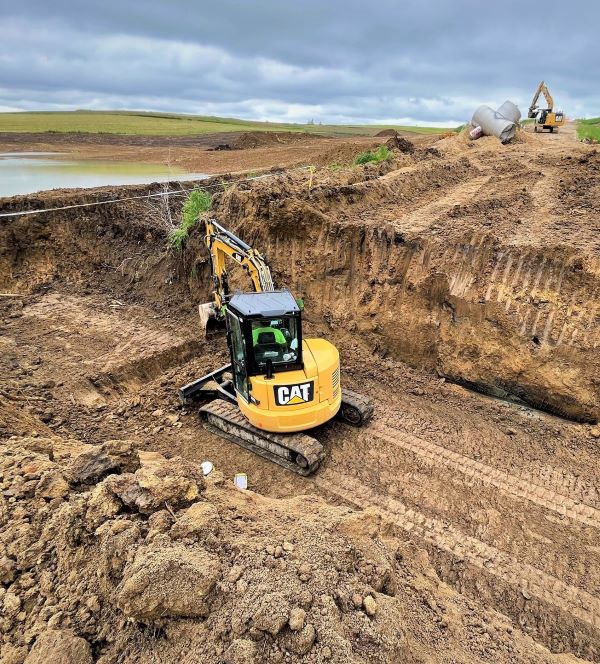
(260, 139)
(454, 527)
(107, 560)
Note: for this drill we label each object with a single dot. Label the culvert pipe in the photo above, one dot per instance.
(510, 111)
(494, 124)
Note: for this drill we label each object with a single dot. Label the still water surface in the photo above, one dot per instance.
(28, 172)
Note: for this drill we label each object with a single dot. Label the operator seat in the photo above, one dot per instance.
(267, 347)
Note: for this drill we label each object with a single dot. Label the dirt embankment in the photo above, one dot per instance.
(460, 263)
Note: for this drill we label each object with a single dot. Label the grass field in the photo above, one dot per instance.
(157, 124)
(589, 128)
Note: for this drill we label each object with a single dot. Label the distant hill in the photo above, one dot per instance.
(171, 124)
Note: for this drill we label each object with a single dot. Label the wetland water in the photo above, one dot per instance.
(29, 172)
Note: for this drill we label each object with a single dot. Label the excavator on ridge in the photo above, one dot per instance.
(278, 384)
(545, 118)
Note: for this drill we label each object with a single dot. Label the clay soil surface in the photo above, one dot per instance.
(460, 282)
(208, 153)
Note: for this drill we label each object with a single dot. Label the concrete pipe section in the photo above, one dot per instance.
(501, 123)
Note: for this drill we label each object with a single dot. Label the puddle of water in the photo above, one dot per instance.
(30, 172)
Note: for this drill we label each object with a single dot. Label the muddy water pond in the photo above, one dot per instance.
(29, 172)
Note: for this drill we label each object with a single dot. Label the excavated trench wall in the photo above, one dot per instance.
(121, 248)
(512, 321)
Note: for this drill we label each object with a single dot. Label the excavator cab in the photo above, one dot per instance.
(282, 382)
(265, 336)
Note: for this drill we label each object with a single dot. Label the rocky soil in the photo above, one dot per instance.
(109, 556)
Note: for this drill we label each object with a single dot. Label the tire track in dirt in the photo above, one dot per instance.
(525, 488)
(429, 421)
(532, 583)
(428, 183)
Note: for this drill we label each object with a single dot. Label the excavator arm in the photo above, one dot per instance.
(223, 245)
(541, 90)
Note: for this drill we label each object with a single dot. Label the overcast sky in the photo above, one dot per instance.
(350, 61)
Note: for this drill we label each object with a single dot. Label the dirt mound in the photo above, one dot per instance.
(524, 136)
(387, 132)
(401, 144)
(265, 139)
(342, 154)
(345, 154)
(158, 564)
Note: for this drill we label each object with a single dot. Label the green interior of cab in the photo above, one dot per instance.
(274, 335)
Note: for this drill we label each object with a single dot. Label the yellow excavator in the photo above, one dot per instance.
(545, 118)
(278, 384)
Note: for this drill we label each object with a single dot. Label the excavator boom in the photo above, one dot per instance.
(222, 245)
(542, 89)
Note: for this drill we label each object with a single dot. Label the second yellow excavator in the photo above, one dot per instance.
(279, 384)
(545, 118)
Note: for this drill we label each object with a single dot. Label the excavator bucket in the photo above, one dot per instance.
(209, 321)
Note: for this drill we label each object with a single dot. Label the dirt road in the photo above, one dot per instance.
(475, 265)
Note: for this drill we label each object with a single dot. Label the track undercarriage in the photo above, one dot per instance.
(297, 452)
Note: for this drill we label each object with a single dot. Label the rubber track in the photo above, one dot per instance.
(226, 420)
(360, 402)
(576, 602)
(436, 455)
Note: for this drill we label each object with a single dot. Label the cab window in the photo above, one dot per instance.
(275, 339)
(240, 376)
(237, 340)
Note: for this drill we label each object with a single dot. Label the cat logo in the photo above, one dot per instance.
(288, 395)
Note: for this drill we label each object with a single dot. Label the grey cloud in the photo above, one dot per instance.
(335, 61)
